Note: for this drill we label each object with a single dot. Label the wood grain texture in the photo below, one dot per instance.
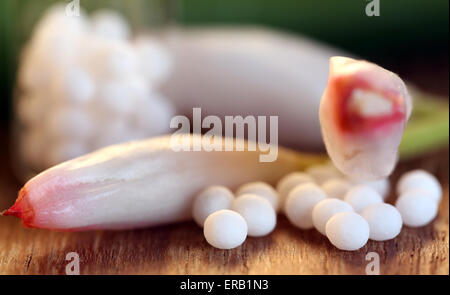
(181, 248)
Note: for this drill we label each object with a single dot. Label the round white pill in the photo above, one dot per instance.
(300, 203)
(420, 179)
(69, 122)
(416, 208)
(140, 87)
(110, 24)
(210, 200)
(362, 196)
(155, 59)
(322, 173)
(385, 222)
(261, 189)
(114, 59)
(288, 182)
(225, 229)
(115, 96)
(336, 188)
(381, 186)
(325, 209)
(257, 212)
(347, 231)
(154, 114)
(75, 86)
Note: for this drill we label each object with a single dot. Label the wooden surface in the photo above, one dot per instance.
(181, 248)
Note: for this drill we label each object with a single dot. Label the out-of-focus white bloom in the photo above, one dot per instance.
(110, 24)
(68, 122)
(92, 86)
(156, 62)
(74, 85)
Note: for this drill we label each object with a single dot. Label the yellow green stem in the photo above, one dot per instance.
(428, 127)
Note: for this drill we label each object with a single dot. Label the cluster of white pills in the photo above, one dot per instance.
(348, 213)
(84, 83)
(419, 196)
(227, 220)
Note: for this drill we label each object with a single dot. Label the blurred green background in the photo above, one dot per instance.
(409, 37)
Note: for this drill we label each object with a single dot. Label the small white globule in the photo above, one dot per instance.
(116, 97)
(210, 200)
(76, 86)
(422, 180)
(110, 24)
(381, 186)
(154, 115)
(325, 209)
(140, 89)
(322, 173)
(347, 231)
(259, 214)
(156, 61)
(362, 196)
(225, 229)
(300, 203)
(69, 122)
(416, 208)
(288, 182)
(114, 59)
(384, 220)
(336, 188)
(261, 189)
